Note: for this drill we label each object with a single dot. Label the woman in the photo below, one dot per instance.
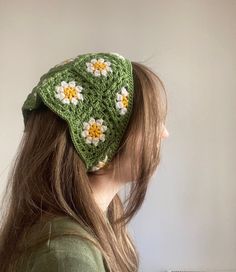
(93, 124)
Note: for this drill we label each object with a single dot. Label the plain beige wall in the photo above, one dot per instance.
(188, 218)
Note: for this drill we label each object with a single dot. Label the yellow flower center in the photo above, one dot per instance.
(99, 65)
(125, 101)
(70, 92)
(94, 130)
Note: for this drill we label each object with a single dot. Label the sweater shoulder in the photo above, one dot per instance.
(62, 249)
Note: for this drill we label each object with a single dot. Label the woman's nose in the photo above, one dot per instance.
(165, 133)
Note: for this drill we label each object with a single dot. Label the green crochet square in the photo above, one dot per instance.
(93, 93)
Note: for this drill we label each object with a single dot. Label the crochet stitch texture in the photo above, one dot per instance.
(93, 93)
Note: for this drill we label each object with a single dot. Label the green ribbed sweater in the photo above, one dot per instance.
(60, 254)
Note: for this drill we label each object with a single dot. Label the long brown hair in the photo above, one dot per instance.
(49, 178)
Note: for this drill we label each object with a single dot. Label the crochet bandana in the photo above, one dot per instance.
(93, 93)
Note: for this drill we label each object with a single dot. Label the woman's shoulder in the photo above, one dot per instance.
(63, 249)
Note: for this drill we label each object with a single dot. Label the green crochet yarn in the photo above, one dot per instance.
(93, 93)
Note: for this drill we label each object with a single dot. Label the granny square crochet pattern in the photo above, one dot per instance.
(93, 93)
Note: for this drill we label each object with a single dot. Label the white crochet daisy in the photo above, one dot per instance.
(99, 67)
(93, 131)
(118, 55)
(100, 164)
(122, 100)
(69, 92)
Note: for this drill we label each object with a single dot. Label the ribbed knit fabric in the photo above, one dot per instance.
(93, 93)
(60, 254)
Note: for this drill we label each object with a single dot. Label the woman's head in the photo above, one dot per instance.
(49, 178)
(141, 143)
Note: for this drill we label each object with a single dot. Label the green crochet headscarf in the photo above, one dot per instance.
(93, 93)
